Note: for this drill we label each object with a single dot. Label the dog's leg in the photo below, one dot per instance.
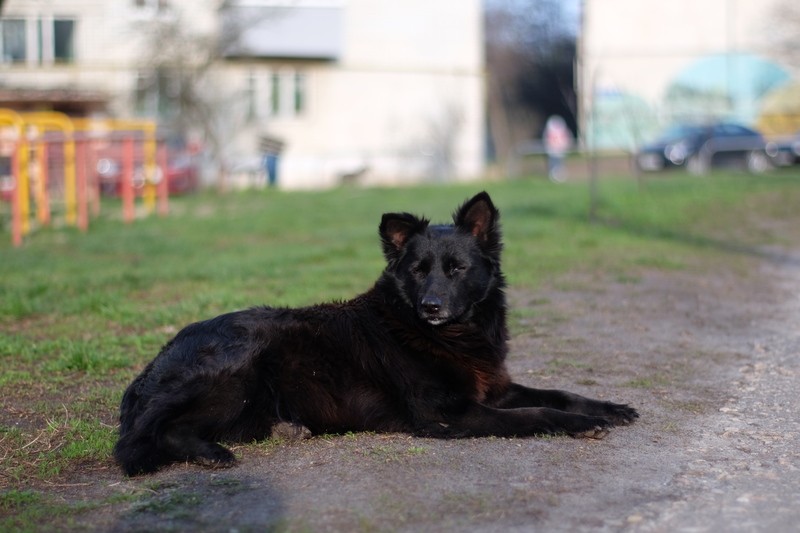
(183, 444)
(520, 396)
(482, 421)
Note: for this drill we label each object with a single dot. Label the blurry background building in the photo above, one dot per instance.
(310, 92)
(645, 64)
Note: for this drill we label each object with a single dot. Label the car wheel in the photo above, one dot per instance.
(757, 162)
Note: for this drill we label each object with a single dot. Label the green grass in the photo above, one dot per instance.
(80, 314)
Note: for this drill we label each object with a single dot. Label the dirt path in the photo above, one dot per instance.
(709, 357)
(740, 466)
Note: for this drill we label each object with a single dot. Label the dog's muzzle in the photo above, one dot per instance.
(432, 311)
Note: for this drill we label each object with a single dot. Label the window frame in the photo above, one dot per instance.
(69, 58)
(44, 39)
(4, 57)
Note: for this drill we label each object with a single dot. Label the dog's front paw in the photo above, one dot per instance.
(584, 426)
(620, 414)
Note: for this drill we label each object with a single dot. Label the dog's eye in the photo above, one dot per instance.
(456, 269)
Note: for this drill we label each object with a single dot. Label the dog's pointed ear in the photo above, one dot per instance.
(479, 217)
(396, 229)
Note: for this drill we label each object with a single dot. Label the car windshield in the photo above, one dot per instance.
(676, 133)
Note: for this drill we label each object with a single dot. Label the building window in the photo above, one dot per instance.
(50, 40)
(275, 94)
(39, 56)
(143, 95)
(299, 93)
(250, 96)
(287, 93)
(13, 41)
(158, 93)
(154, 5)
(63, 40)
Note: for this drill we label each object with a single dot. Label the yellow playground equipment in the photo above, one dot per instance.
(51, 154)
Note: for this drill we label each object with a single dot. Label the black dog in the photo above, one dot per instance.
(421, 352)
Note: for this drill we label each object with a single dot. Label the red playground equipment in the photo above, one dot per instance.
(48, 158)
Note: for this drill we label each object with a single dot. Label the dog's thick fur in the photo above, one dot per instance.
(421, 352)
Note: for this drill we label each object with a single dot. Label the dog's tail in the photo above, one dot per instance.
(142, 448)
(138, 454)
(137, 450)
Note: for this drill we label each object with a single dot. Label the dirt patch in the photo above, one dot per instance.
(707, 353)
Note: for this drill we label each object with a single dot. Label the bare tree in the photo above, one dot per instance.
(530, 52)
(443, 130)
(783, 28)
(178, 77)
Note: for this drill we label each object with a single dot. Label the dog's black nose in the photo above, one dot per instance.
(432, 305)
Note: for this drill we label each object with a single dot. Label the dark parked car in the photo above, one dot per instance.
(787, 151)
(700, 147)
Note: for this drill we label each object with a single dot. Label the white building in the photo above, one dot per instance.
(377, 91)
(644, 64)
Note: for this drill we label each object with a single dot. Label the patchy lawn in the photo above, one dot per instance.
(643, 305)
